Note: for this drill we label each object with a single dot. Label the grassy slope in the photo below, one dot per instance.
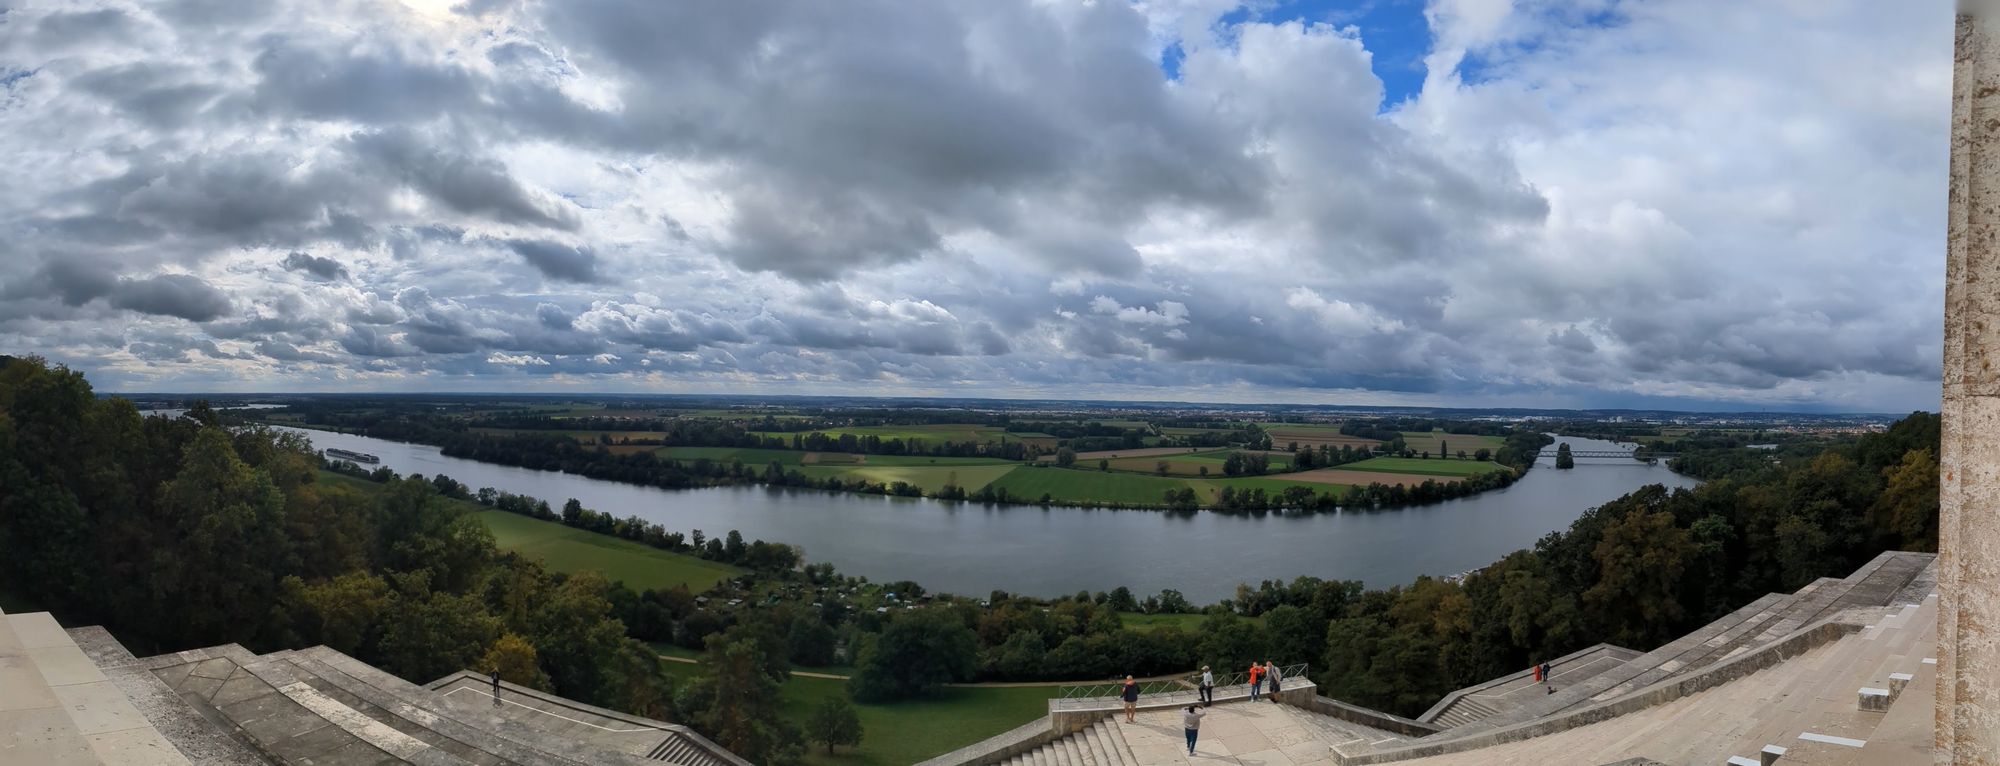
(573, 550)
(1072, 485)
(564, 549)
(908, 732)
(1420, 466)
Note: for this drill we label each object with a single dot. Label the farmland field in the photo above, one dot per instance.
(564, 549)
(1312, 434)
(1190, 464)
(1428, 442)
(1422, 466)
(1070, 485)
(930, 478)
(930, 434)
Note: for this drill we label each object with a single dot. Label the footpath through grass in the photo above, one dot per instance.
(565, 549)
(907, 732)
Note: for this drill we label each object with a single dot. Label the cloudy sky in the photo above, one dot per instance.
(1686, 204)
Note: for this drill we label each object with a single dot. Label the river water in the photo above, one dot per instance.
(971, 549)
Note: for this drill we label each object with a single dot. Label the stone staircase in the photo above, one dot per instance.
(1755, 625)
(1808, 709)
(79, 697)
(1102, 744)
(316, 706)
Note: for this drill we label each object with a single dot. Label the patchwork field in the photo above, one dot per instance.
(588, 436)
(1078, 486)
(1430, 442)
(956, 433)
(758, 457)
(1432, 467)
(1190, 464)
(564, 549)
(1313, 434)
(1115, 454)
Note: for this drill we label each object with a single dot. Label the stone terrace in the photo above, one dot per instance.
(78, 697)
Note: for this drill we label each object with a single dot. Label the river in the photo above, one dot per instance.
(971, 549)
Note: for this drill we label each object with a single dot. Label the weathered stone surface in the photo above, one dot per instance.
(1967, 711)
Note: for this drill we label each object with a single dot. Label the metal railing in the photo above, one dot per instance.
(1187, 685)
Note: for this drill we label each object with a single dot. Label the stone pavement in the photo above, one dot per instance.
(57, 708)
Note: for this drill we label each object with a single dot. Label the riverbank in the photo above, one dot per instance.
(974, 549)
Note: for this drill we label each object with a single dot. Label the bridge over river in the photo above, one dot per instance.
(1582, 453)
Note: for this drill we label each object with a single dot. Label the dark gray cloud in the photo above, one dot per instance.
(463, 183)
(319, 267)
(556, 260)
(174, 295)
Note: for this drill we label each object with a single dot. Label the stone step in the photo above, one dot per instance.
(412, 710)
(1121, 749)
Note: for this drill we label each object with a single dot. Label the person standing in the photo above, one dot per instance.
(1538, 672)
(1256, 681)
(1207, 686)
(1277, 677)
(1131, 697)
(496, 686)
(1191, 720)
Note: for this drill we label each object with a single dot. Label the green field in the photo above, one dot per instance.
(1079, 486)
(907, 732)
(930, 478)
(1417, 465)
(1190, 464)
(925, 460)
(573, 550)
(1429, 442)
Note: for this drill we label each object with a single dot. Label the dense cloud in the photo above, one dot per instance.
(1647, 203)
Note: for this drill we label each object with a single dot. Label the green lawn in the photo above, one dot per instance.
(908, 732)
(930, 478)
(1190, 464)
(1420, 466)
(564, 549)
(1075, 485)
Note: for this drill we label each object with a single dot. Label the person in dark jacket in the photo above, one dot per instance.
(1131, 697)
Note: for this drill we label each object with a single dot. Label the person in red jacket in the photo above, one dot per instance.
(1256, 681)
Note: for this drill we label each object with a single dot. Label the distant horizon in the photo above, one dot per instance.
(1145, 403)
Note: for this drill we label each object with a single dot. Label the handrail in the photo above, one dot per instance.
(1115, 690)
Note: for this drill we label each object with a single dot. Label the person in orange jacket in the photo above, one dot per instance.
(1256, 681)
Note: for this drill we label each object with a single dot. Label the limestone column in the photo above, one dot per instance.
(1968, 651)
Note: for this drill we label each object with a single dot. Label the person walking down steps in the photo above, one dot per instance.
(1131, 696)
(1191, 721)
(1256, 681)
(1207, 687)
